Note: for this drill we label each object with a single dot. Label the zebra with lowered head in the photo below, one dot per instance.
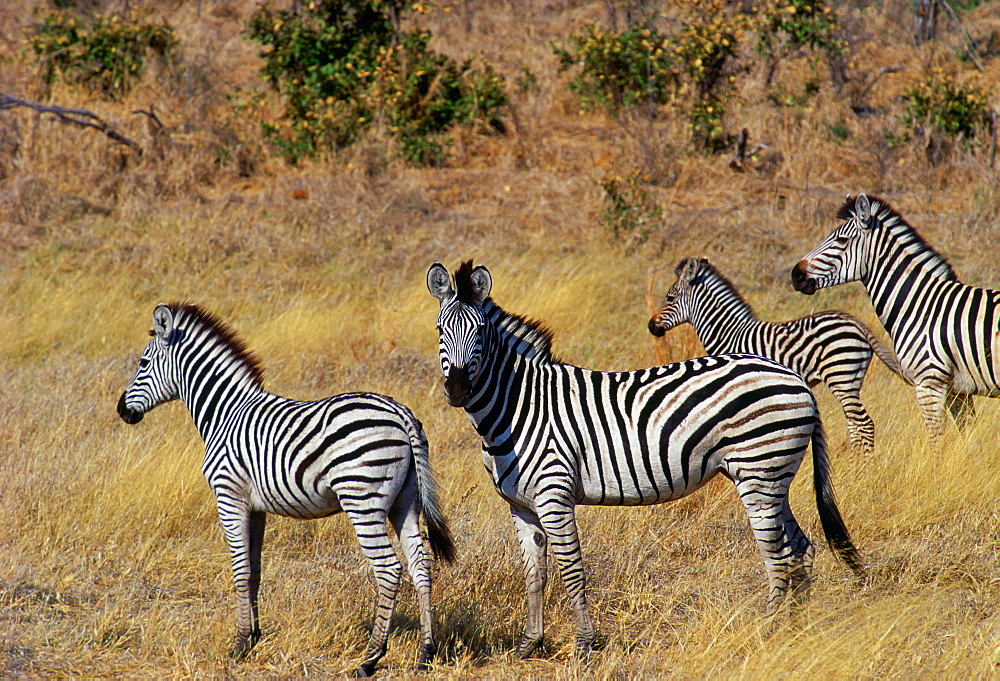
(360, 453)
(555, 435)
(830, 347)
(945, 333)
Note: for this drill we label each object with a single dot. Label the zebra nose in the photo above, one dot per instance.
(801, 281)
(655, 328)
(457, 386)
(128, 416)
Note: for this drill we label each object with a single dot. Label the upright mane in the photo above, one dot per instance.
(529, 338)
(224, 335)
(889, 218)
(724, 287)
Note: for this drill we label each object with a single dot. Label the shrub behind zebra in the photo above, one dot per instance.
(831, 347)
(555, 435)
(946, 334)
(360, 453)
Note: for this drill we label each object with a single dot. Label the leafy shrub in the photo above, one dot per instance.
(629, 213)
(641, 65)
(946, 105)
(341, 67)
(786, 26)
(109, 55)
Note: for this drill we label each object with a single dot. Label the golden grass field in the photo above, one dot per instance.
(112, 562)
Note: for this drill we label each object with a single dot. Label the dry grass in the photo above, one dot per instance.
(111, 560)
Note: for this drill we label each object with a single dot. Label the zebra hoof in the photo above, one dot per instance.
(530, 647)
(244, 644)
(427, 653)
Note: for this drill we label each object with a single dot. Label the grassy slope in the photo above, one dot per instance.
(111, 561)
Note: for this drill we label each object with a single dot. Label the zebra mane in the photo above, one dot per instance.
(193, 315)
(528, 338)
(889, 218)
(465, 291)
(723, 286)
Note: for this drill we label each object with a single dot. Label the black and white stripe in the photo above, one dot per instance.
(946, 334)
(829, 347)
(360, 453)
(555, 435)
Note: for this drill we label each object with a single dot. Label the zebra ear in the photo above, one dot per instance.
(163, 322)
(439, 283)
(862, 209)
(482, 282)
(691, 268)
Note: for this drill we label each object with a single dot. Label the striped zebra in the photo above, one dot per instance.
(555, 435)
(360, 453)
(829, 347)
(946, 333)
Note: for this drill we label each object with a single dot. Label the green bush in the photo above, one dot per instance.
(946, 105)
(341, 67)
(108, 55)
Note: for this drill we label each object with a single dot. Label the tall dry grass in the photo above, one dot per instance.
(111, 559)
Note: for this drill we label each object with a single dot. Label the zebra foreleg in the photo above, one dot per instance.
(931, 399)
(558, 519)
(962, 409)
(369, 525)
(245, 534)
(533, 555)
(405, 518)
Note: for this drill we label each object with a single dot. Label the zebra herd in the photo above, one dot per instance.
(555, 436)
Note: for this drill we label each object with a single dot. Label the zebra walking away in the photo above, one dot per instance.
(830, 347)
(360, 453)
(555, 435)
(946, 333)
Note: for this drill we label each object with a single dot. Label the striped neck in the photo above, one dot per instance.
(517, 335)
(894, 240)
(717, 310)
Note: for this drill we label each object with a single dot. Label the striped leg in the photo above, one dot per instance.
(962, 409)
(245, 535)
(369, 525)
(558, 518)
(931, 397)
(860, 425)
(787, 553)
(405, 518)
(533, 544)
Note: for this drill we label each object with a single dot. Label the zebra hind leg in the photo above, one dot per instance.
(860, 426)
(370, 527)
(405, 519)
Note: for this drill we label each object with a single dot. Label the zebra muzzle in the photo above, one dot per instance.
(801, 281)
(128, 416)
(655, 328)
(457, 386)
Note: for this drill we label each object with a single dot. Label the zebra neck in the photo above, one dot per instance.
(213, 389)
(717, 317)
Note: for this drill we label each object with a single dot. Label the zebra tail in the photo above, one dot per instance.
(833, 524)
(884, 353)
(438, 533)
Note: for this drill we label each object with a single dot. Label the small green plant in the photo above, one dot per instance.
(941, 102)
(786, 26)
(630, 214)
(341, 67)
(108, 54)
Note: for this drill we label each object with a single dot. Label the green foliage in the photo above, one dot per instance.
(641, 65)
(341, 67)
(629, 212)
(943, 103)
(791, 24)
(109, 55)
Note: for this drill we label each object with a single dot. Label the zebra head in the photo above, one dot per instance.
(675, 308)
(461, 325)
(840, 257)
(153, 383)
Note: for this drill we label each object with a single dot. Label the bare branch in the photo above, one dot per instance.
(81, 117)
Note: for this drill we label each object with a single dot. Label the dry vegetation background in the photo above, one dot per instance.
(111, 559)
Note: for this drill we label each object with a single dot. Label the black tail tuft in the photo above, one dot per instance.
(439, 537)
(829, 515)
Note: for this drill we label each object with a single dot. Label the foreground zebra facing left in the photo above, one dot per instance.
(360, 453)
(555, 435)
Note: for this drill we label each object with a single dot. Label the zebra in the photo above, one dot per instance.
(830, 347)
(361, 453)
(556, 435)
(946, 333)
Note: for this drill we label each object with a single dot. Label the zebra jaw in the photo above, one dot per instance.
(128, 416)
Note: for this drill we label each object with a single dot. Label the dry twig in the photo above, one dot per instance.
(81, 117)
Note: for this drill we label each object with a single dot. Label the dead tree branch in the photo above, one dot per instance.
(81, 117)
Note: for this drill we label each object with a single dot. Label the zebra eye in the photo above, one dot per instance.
(841, 239)
(143, 362)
